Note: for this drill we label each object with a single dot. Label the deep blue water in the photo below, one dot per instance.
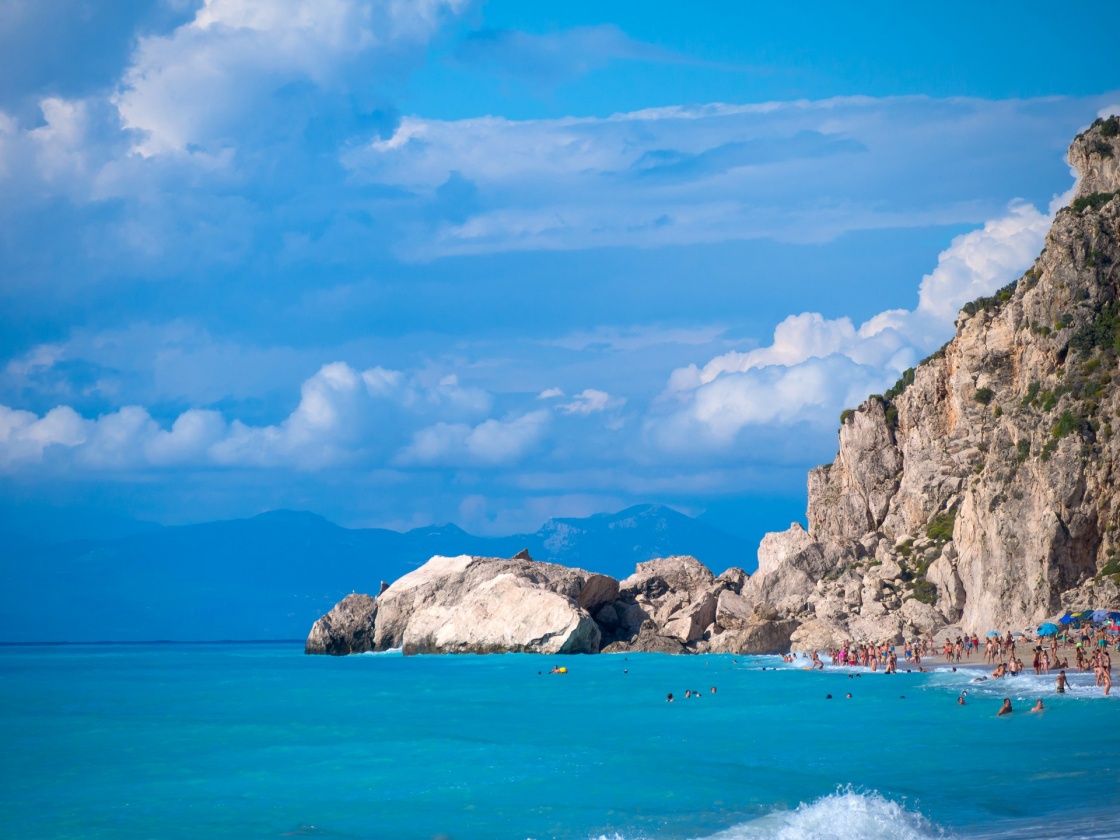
(235, 741)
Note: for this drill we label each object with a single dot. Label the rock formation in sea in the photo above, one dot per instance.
(487, 605)
(979, 491)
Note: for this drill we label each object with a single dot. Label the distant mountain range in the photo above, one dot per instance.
(271, 576)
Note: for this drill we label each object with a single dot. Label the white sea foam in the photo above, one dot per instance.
(390, 652)
(848, 814)
(1025, 685)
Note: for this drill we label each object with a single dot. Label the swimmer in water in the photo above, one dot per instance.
(687, 693)
(960, 700)
(669, 699)
(1038, 707)
(1005, 709)
(1061, 680)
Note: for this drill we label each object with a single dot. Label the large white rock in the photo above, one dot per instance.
(484, 605)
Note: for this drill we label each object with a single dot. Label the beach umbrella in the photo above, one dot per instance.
(1084, 614)
(1017, 633)
(1065, 619)
(1047, 629)
(1100, 616)
(993, 632)
(1115, 616)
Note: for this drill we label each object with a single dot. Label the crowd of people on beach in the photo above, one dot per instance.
(1091, 652)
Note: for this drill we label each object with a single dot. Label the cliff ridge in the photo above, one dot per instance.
(981, 489)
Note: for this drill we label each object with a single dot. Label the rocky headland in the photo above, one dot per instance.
(979, 491)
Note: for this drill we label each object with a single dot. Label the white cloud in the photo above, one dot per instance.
(189, 441)
(713, 414)
(490, 443)
(550, 394)
(203, 85)
(590, 401)
(815, 366)
(24, 436)
(795, 171)
(979, 262)
(344, 415)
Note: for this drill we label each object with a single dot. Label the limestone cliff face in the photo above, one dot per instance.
(988, 475)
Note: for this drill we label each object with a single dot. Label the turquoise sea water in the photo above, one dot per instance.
(235, 741)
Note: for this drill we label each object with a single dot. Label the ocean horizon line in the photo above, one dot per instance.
(154, 642)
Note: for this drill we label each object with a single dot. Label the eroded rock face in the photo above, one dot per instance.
(983, 491)
(672, 597)
(347, 628)
(791, 579)
(755, 638)
(778, 547)
(818, 634)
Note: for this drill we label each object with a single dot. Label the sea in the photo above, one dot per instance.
(259, 740)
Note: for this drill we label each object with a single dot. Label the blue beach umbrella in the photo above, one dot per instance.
(1100, 616)
(1115, 616)
(1065, 619)
(993, 632)
(1047, 629)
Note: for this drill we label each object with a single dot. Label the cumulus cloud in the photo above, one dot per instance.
(979, 262)
(197, 87)
(343, 414)
(814, 365)
(24, 436)
(490, 443)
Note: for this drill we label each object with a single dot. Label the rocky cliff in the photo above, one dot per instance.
(981, 489)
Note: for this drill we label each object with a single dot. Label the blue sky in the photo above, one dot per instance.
(402, 263)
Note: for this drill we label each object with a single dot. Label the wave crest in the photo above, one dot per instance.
(848, 813)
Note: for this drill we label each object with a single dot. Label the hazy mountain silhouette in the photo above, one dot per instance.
(271, 576)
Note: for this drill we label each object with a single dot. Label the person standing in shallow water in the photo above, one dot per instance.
(1005, 709)
(1061, 681)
